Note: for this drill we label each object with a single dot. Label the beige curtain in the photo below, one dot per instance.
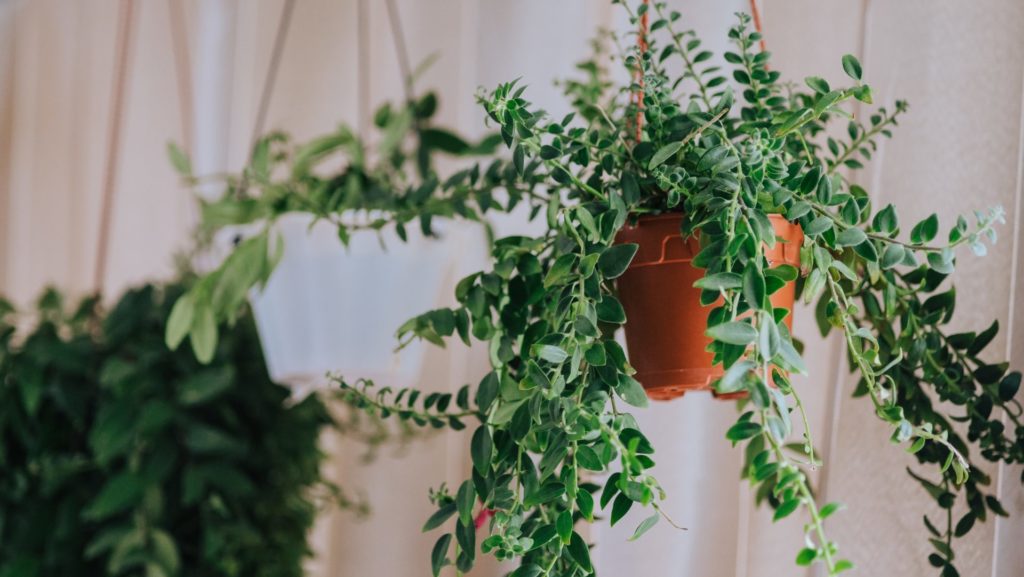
(58, 74)
(960, 65)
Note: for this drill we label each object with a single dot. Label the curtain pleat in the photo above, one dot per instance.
(960, 65)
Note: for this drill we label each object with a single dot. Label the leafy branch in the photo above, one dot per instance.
(737, 177)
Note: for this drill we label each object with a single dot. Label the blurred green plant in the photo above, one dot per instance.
(120, 457)
(356, 182)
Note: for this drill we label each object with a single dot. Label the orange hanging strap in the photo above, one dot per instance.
(638, 96)
(757, 22)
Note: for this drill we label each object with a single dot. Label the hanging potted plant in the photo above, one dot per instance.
(663, 293)
(306, 212)
(324, 214)
(657, 203)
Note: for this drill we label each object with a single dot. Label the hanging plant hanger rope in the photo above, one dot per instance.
(401, 50)
(756, 15)
(182, 68)
(126, 17)
(280, 37)
(641, 42)
(363, 66)
(269, 79)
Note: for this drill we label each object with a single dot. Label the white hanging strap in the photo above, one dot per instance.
(277, 51)
(263, 107)
(401, 51)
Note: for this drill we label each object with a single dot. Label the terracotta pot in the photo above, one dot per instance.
(665, 320)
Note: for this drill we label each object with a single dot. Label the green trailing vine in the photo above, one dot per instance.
(340, 179)
(552, 439)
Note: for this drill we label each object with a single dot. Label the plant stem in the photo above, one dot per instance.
(819, 525)
(618, 134)
(865, 136)
(785, 464)
(967, 362)
(458, 551)
(849, 330)
(755, 86)
(374, 401)
(690, 67)
(823, 211)
(612, 436)
(807, 426)
(554, 560)
(949, 519)
(805, 492)
(534, 146)
(803, 143)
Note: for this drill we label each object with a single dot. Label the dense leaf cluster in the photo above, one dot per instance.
(120, 457)
(548, 308)
(340, 178)
(731, 148)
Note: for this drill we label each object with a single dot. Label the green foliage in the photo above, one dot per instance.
(341, 179)
(120, 457)
(550, 414)
(549, 409)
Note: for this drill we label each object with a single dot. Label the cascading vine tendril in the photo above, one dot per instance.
(726, 149)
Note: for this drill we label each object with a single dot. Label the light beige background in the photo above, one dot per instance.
(961, 65)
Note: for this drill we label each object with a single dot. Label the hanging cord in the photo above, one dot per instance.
(122, 59)
(757, 23)
(182, 68)
(268, 87)
(186, 96)
(363, 54)
(363, 67)
(269, 80)
(401, 50)
(638, 95)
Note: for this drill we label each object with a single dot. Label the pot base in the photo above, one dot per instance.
(665, 386)
(665, 336)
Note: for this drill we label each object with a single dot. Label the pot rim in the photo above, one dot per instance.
(674, 215)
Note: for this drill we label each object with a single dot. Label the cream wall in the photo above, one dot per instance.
(960, 65)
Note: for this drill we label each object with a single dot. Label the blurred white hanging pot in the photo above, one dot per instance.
(329, 308)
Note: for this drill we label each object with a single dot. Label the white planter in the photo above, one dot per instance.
(332, 309)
